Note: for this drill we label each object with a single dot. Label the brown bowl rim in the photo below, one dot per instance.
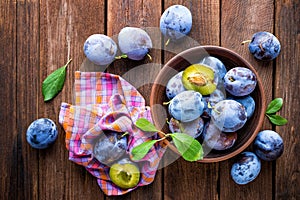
(211, 49)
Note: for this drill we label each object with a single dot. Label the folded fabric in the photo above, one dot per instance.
(105, 101)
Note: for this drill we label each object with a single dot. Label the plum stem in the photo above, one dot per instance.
(209, 105)
(161, 138)
(121, 56)
(213, 108)
(149, 56)
(68, 62)
(167, 42)
(246, 41)
(166, 103)
(124, 134)
(231, 79)
(167, 121)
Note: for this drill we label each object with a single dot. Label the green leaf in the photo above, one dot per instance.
(189, 148)
(274, 106)
(141, 150)
(277, 120)
(145, 125)
(54, 83)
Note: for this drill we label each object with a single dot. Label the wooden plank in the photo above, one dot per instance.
(287, 27)
(184, 180)
(141, 74)
(64, 26)
(240, 20)
(27, 73)
(8, 109)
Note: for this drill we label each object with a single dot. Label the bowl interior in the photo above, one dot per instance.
(230, 59)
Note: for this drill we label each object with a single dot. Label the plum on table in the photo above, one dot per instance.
(176, 22)
(268, 145)
(246, 168)
(100, 49)
(41, 133)
(264, 46)
(134, 42)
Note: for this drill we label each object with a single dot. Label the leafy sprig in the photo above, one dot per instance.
(273, 107)
(54, 83)
(188, 147)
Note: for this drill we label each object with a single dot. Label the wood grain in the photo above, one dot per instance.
(8, 108)
(287, 29)
(28, 83)
(184, 180)
(65, 25)
(240, 20)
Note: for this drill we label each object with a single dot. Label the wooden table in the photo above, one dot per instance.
(37, 37)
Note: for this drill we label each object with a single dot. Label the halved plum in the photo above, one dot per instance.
(199, 78)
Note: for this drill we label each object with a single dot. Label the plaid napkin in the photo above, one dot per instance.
(105, 101)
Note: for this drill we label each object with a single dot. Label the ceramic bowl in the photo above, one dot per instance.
(191, 56)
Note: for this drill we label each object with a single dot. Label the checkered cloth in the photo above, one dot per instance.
(105, 101)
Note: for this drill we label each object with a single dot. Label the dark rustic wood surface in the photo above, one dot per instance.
(37, 37)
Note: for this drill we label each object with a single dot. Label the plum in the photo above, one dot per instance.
(193, 128)
(109, 147)
(175, 86)
(186, 106)
(125, 174)
(264, 46)
(246, 168)
(217, 66)
(100, 49)
(206, 109)
(248, 102)
(229, 115)
(215, 97)
(211, 100)
(134, 42)
(41, 133)
(176, 22)
(268, 145)
(216, 139)
(174, 125)
(240, 81)
(199, 78)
